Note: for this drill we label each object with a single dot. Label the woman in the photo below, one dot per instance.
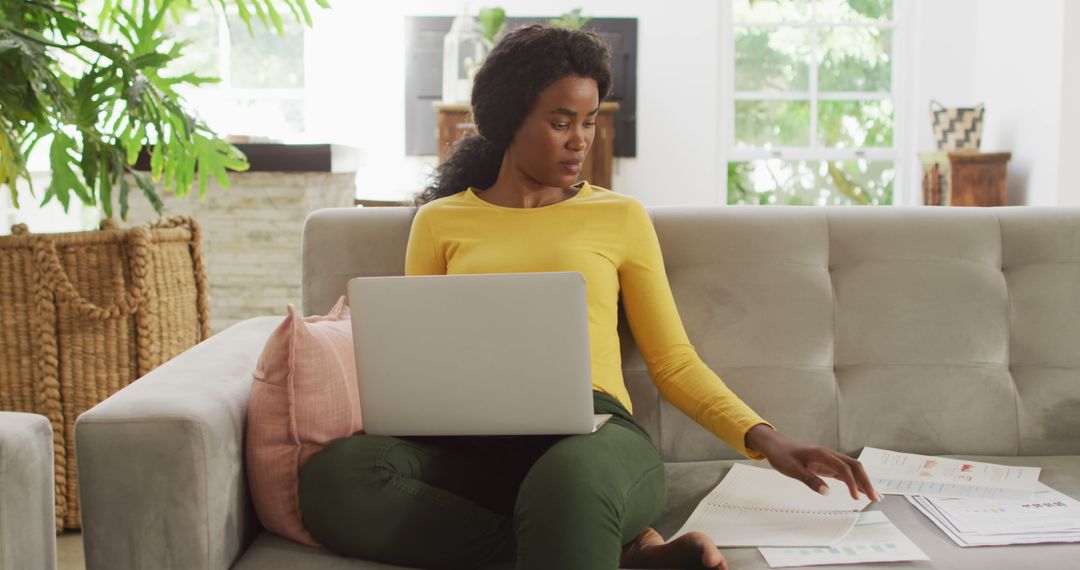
(506, 201)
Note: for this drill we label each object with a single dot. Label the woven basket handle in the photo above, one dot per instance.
(56, 279)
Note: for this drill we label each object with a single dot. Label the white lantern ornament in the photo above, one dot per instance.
(464, 49)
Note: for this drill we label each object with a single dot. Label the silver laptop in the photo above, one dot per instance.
(491, 354)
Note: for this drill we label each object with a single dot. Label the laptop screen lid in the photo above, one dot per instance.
(480, 354)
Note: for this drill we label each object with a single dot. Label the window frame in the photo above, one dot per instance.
(902, 151)
(224, 91)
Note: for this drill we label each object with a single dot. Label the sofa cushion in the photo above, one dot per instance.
(303, 396)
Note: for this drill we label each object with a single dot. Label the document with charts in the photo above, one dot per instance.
(760, 507)
(874, 539)
(897, 473)
(1048, 516)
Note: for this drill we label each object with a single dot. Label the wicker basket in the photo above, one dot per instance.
(84, 314)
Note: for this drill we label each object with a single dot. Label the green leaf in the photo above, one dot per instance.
(191, 79)
(132, 141)
(215, 157)
(492, 21)
(172, 157)
(64, 179)
(149, 192)
(88, 162)
(184, 162)
(245, 15)
(105, 16)
(35, 36)
(48, 196)
(157, 161)
(12, 164)
(275, 17)
(153, 60)
(260, 13)
(295, 11)
(571, 20)
(89, 95)
(125, 188)
(307, 14)
(126, 24)
(105, 189)
(149, 32)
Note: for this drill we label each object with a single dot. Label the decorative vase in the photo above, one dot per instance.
(464, 49)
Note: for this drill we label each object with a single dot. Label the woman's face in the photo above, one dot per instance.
(558, 132)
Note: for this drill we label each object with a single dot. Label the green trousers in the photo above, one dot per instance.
(525, 502)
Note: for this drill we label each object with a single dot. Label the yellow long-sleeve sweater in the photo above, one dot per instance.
(608, 238)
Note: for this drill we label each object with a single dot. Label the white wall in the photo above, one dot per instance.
(1068, 176)
(942, 61)
(1018, 73)
(944, 54)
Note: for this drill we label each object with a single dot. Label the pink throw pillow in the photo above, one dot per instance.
(304, 395)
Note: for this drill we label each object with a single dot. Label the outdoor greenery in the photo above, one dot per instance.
(492, 23)
(99, 86)
(854, 109)
(572, 20)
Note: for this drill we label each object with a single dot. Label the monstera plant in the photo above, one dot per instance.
(97, 89)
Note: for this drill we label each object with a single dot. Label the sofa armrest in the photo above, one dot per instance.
(161, 477)
(27, 500)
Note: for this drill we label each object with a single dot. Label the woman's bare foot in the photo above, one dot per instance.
(692, 550)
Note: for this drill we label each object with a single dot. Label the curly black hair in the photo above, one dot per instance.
(525, 62)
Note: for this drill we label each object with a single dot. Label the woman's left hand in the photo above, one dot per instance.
(807, 462)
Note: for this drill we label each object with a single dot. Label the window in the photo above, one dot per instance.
(812, 102)
(262, 89)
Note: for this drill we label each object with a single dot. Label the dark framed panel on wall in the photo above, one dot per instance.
(423, 77)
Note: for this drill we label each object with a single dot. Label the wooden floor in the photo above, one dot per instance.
(69, 551)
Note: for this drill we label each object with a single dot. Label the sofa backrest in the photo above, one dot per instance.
(928, 330)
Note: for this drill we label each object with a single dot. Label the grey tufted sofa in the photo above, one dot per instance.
(928, 330)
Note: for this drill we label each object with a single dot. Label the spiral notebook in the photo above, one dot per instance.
(760, 507)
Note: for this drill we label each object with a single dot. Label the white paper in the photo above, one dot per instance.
(873, 539)
(761, 507)
(898, 473)
(1047, 510)
(966, 539)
